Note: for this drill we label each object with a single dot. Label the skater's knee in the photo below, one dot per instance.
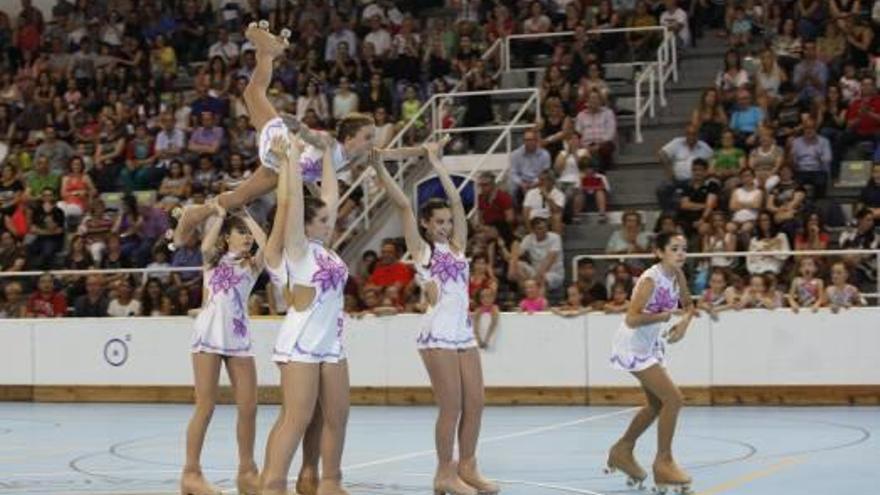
(335, 420)
(673, 399)
(450, 409)
(205, 407)
(473, 405)
(247, 410)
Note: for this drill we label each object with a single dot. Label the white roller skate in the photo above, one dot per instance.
(259, 35)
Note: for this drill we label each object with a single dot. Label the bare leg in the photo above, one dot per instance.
(206, 371)
(471, 419)
(307, 481)
(443, 369)
(335, 406)
(621, 455)
(299, 387)
(243, 376)
(657, 381)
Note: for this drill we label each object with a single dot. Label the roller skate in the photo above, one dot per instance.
(248, 483)
(266, 42)
(621, 458)
(470, 474)
(668, 477)
(194, 483)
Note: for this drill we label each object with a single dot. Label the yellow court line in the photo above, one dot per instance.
(752, 476)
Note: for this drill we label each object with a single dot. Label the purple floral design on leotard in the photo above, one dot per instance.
(311, 168)
(445, 267)
(239, 328)
(224, 278)
(331, 274)
(662, 301)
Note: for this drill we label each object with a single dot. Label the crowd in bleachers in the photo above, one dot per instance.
(114, 113)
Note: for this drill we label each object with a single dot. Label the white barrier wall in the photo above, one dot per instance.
(746, 348)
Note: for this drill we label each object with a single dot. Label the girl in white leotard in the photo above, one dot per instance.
(639, 347)
(446, 341)
(223, 335)
(308, 349)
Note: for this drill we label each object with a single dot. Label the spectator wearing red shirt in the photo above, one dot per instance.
(495, 205)
(390, 271)
(863, 116)
(46, 302)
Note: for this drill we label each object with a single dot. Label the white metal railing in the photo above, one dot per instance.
(739, 254)
(645, 105)
(103, 271)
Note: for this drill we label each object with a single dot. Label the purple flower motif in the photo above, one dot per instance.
(239, 328)
(331, 274)
(445, 267)
(662, 301)
(224, 278)
(311, 168)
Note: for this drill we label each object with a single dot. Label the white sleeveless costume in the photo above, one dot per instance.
(637, 349)
(310, 160)
(313, 335)
(223, 326)
(447, 324)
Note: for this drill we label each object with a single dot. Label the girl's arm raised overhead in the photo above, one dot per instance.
(209, 242)
(459, 219)
(329, 187)
(414, 243)
(295, 240)
(259, 237)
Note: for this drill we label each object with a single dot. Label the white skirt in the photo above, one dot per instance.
(640, 348)
(301, 339)
(443, 328)
(215, 333)
(272, 128)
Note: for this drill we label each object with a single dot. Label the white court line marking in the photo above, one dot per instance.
(378, 462)
(548, 486)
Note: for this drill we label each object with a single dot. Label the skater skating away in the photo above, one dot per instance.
(639, 347)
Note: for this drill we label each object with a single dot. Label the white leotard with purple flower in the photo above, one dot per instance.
(313, 335)
(636, 349)
(310, 160)
(223, 326)
(447, 324)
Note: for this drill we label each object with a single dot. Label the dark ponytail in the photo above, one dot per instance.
(311, 207)
(425, 214)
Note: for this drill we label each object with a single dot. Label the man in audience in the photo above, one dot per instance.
(677, 158)
(810, 74)
(676, 19)
(207, 138)
(699, 197)
(46, 302)
(597, 127)
(593, 291)
(94, 302)
(170, 141)
(544, 250)
(526, 164)
(746, 119)
(862, 237)
(13, 257)
(56, 151)
(495, 206)
(40, 178)
(389, 270)
(124, 304)
(47, 229)
(545, 201)
(811, 157)
(863, 116)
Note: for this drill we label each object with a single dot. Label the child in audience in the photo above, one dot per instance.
(761, 293)
(486, 310)
(806, 289)
(718, 296)
(619, 302)
(840, 294)
(740, 27)
(573, 305)
(534, 302)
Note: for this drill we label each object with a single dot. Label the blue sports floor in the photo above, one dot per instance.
(137, 449)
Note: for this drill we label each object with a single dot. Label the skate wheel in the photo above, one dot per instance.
(609, 470)
(252, 25)
(263, 24)
(285, 33)
(176, 212)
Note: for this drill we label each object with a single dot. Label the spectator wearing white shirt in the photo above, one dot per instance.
(339, 33)
(677, 157)
(526, 164)
(313, 99)
(597, 126)
(124, 304)
(544, 249)
(345, 101)
(170, 141)
(385, 10)
(378, 37)
(676, 19)
(224, 48)
(545, 201)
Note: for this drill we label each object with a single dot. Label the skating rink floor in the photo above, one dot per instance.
(137, 449)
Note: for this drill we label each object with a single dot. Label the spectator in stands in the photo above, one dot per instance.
(862, 236)
(839, 293)
(11, 192)
(869, 197)
(642, 44)
(810, 74)
(545, 201)
(47, 229)
(761, 293)
(95, 227)
(593, 292)
(12, 255)
(811, 157)
(767, 238)
(709, 117)
(532, 301)
(676, 19)
(619, 301)
(732, 78)
(13, 305)
(863, 116)
(593, 191)
(313, 99)
(746, 119)
(94, 302)
(175, 186)
(188, 255)
(56, 151)
(77, 190)
(787, 44)
(390, 271)
(746, 201)
(788, 114)
(727, 162)
(207, 137)
(813, 237)
(41, 177)
(677, 157)
(123, 304)
(46, 302)
(786, 201)
(699, 198)
(227, 50)
(631, 237)
(140, 157)
(526, 164)
(597, 127)
(486, 309)
(170, 140)
(769, 76)
(544, 250)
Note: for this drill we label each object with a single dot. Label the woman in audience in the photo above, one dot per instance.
(767, 238)
(813, 236)
(709, 117)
